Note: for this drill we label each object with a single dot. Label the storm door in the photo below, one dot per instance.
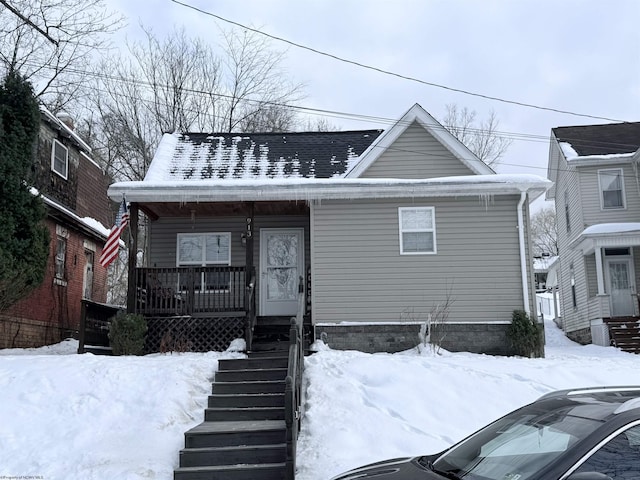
(620, 288)
(281, 265)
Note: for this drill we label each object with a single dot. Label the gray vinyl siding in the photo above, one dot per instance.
(358, 274)
(416, 154)
(164, 232)
(589, 186)
(568, 180)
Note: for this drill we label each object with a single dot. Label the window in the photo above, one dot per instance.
(60, 159)
(611, 188)
(205, 250)
(619, 458)
(417, 230)
(61, 253)
(566, 210)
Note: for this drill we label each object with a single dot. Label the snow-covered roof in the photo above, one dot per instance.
(307, 189)
(255, 156)
(542, 264)
(91, 224)
(608, 235)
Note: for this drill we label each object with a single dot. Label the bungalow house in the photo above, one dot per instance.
(74, 190)
(597, 199)
(380, 229)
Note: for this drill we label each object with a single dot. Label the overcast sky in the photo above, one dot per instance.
(578, 56)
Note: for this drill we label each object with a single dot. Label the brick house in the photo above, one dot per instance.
(74, 188)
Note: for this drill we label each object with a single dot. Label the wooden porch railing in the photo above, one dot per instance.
(293, 383)
(190, 290)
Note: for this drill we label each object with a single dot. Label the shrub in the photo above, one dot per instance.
(126, 334)
(525, 335)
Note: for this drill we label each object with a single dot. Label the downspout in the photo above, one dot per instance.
(523, 256)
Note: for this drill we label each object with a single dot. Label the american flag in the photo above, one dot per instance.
(111, 248)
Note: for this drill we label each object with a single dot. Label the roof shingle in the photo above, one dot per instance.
(200, 156)
(608, 139)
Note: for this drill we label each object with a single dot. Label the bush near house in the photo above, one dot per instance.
(126, 334)
(525, 335)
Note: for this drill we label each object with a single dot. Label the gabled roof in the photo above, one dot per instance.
(251, 156)
(607, 139)
(431, 125)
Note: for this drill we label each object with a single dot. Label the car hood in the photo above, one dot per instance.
(395, 469)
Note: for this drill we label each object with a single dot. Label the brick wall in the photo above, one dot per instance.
(52, 311)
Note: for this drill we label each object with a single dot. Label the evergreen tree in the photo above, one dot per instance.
(24, 238)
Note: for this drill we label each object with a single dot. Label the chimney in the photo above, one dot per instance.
(65, 118)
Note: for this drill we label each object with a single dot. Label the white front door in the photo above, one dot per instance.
(620, 288)
(281, 265)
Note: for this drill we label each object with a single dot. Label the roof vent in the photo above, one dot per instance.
(65, 118)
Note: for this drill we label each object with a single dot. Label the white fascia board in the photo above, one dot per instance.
(325, 189)
(430, 124)
(589, 239)
(597, 160)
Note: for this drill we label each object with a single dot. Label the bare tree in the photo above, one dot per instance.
(481, 137)
(50, 42)
(543, 232)
(179, 84)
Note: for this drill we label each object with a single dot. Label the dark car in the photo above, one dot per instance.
(585, 434)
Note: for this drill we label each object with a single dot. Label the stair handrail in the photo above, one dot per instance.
(293, 383)
(250, 308)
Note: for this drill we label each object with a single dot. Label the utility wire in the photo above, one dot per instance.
(394, 74)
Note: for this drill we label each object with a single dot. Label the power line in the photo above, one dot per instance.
(394, 74)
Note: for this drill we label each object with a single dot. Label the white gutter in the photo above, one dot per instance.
(523, 256)
(238, 190)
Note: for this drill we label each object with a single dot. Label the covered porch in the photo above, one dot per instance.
(612, 259)
(212, 269)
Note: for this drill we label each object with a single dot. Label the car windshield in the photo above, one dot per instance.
(517, 446)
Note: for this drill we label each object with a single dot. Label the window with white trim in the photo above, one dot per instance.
(417, 230)
(206, 249)
(611, 188)
(60, 159)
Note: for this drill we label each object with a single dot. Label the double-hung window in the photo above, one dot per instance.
(61, 253)
(205, 250)
(417, 230)
(60, 159)
(611, 188)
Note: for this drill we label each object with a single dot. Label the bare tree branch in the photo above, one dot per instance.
(29, 22)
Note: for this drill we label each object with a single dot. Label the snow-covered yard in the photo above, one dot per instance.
(68, 416)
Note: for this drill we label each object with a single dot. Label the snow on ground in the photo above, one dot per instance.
(68, 416)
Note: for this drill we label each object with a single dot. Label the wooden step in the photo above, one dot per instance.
(252, 375)
(252, 363)
(270, 471)
(226, 434)
(244, 454)
(266, 386)
(230, 414)
(246, 400)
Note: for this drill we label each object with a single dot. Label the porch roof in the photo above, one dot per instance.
(607, 235)
(303, 189)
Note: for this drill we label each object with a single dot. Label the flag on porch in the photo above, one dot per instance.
(111, 248)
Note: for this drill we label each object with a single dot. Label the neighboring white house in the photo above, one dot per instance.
(382, 227)
(597, 198)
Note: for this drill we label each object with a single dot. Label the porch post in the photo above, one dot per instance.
(599, 271)
(249, 246)
(133, 255)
